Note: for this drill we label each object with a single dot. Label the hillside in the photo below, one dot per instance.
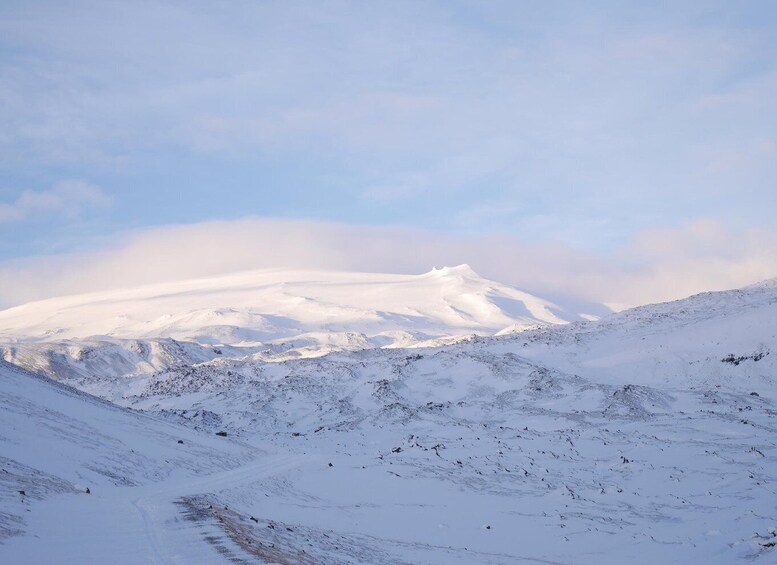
(84, 481)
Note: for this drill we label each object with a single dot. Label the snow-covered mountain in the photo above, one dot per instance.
(269, 314)
(647, 436)
(268, 305)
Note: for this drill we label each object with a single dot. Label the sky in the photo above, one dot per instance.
(621, 152)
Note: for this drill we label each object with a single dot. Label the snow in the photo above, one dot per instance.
(647, 436)
(57, 442)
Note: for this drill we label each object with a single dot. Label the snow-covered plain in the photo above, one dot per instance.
(647, 436)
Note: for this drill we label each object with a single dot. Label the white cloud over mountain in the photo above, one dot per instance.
(656, 265)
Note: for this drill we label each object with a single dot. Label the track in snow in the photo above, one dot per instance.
(132, 525)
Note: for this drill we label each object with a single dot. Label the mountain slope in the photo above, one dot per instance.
(714, 338)
(84, 481)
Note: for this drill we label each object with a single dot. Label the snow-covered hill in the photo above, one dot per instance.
(647, 436)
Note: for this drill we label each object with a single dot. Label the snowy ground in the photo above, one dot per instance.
(649, 436)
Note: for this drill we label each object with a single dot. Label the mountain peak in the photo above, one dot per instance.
(461, 270)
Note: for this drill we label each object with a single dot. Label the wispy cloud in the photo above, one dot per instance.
(613, 102)
(68, 199)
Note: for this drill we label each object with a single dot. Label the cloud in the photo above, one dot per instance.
(67, 199)
(581, 124)
(656, 265)
(619, 103)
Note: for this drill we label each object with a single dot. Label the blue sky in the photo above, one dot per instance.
(582, 125)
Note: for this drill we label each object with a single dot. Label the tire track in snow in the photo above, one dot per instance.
(149, 532)
(154, 522)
